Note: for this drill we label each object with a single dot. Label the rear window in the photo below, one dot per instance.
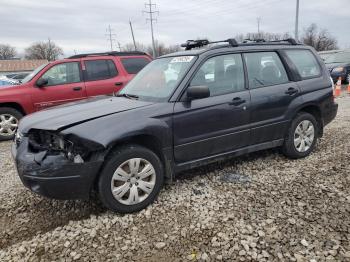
(100, 69)
(134, 65)
(305, 63)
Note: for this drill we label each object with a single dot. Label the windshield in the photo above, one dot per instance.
(158, 80)
(341, 57)
(32, 74)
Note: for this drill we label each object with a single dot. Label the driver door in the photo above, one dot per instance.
(64, 84)
(216, 124)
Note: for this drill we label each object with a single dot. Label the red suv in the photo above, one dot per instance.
(67, 80)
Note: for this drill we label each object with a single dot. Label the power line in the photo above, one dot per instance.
(150, 10)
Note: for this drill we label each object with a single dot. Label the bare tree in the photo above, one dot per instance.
(43, 50)
(161, 48)
(7, 52)
(262, 35)
(321, 39)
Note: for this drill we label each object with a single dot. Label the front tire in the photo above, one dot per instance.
(301, 137)
(131, 179)
(9, 118)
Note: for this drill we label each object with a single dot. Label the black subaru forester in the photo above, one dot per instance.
(183, 110)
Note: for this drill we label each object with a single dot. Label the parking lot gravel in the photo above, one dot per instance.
(261, 207)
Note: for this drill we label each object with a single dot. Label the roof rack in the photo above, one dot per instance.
(290, 41)
(112, 53)
(190, 44)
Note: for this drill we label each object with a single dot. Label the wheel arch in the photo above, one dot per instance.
(148, 141)
(316, 112)
(14, 105)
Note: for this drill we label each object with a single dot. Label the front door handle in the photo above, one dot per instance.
(291, 91)
(237, 101)
(119, 83)
(77, 88)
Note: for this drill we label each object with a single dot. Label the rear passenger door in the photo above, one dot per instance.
(101, 76)
(272, 93)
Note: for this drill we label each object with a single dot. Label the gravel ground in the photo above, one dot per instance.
(259, 207)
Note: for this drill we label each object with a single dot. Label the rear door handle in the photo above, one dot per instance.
(291, 91)
(119, 83)
(237, 101)
(77, 88)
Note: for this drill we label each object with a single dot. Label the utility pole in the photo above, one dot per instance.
(150, 11)
(132, 33)
(49, 50)
(119, 46)
(258, 19)
(110, 36)
(297, 22)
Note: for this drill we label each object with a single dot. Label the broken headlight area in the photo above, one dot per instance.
(46, 144)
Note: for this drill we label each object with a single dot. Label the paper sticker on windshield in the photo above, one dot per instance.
(181, 59)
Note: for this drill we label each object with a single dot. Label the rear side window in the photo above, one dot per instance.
(305, 63)
(134, 65)
(265, 69)
(100, 69)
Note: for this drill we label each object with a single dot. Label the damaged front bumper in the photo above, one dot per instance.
(54, 176)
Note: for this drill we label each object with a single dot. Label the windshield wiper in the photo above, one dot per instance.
(130, 96)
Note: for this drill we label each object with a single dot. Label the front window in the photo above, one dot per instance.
(341, 57)
(34, 73)
(158, 80)
(64, 73)
(221, 74)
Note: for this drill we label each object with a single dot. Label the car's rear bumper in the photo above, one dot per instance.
(54, 177)
(330, 113)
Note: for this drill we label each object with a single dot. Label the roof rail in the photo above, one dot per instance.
(112, 53)
(290, 41)
(190, 44)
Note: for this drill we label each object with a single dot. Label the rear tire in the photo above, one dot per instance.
(131, 179)
(301, 137)
(9, 118)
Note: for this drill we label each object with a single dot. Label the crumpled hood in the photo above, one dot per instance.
(61, 117)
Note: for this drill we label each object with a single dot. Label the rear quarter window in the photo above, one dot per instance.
(305, 63)
(135, 64)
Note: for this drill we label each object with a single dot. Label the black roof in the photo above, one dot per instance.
(113, 53)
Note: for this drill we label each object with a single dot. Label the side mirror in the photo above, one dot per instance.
(41, 82)
(197, 92)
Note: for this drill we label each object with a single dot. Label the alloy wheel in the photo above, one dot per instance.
(8, 125)
(304, 136)
(133, 181)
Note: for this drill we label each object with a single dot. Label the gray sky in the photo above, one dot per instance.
(81, 24)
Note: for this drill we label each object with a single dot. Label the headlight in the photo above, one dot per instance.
(18, 137)
(44, 140)
(338, 69)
